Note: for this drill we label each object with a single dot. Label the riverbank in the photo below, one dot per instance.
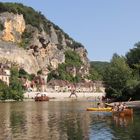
(65, 96)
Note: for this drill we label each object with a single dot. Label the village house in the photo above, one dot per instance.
(5, 73)
(60, 85)
(65, 86)
(99, 86)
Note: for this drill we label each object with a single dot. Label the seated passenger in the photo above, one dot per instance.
(124, 106)
(98, 105)
(115, 107)
(121, 107)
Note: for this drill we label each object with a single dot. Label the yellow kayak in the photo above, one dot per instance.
(108, 109)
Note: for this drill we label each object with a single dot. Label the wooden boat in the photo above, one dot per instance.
(125, 112)
(41, 97)
(108, 109)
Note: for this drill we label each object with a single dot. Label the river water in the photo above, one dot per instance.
(55, 120)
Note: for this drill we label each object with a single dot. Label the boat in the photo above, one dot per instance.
(125, 112)
(107, 109)
(41, 97)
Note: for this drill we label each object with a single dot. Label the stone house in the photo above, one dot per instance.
(64, 86)
(5, 73)
(60, 85)
(85, 87)
(99, 86)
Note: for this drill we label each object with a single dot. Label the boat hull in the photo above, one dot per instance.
(42, 98)
(126, 112)
(108, 109)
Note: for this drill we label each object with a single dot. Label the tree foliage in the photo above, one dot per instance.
(4, 91)
(72, 59)
(118, 74)
(133, 59)
(15, 85)
(97, 70)
(14, 90)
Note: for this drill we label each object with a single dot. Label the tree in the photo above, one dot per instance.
(4, 91)
(97, 71)
(117, 76)
(133, 58)
(15, 85)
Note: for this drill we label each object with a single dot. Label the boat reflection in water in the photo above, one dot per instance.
(123, 121)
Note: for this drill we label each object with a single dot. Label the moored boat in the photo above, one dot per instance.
(41, 97)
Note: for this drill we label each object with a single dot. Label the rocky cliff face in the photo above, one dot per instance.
(34, 49)
(14, 26)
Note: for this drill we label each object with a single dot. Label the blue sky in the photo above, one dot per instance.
(104, 27)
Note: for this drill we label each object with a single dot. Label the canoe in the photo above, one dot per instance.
(108, 109)
(126, 112)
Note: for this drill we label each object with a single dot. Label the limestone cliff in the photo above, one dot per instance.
(34, 42)
(14, 26)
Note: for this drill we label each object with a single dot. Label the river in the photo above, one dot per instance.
(64, 120)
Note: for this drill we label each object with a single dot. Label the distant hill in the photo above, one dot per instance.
(99, 67)
(99, 64)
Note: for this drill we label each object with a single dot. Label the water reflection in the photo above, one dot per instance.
(62, 121)
(122, 121)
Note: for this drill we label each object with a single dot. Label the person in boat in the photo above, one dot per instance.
(124, 106)
(100, 105)
(73, 93)
(115, 107)
(120, 107)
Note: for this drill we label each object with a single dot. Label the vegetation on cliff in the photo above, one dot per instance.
(1, 26)
(72, 59)
(44, 42)
(38, 20)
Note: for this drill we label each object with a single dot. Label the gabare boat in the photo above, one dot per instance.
(41, 97)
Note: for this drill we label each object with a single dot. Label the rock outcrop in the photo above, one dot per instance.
(14, 26)
(37, 47)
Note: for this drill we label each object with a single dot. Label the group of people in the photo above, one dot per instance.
(116, 107)
(119, 107)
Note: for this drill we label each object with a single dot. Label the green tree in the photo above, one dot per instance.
(4, 91)
(15, 85)
(117, 77)
(94, 75)
(133, 58)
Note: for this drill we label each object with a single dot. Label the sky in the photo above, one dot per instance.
(104, 27)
